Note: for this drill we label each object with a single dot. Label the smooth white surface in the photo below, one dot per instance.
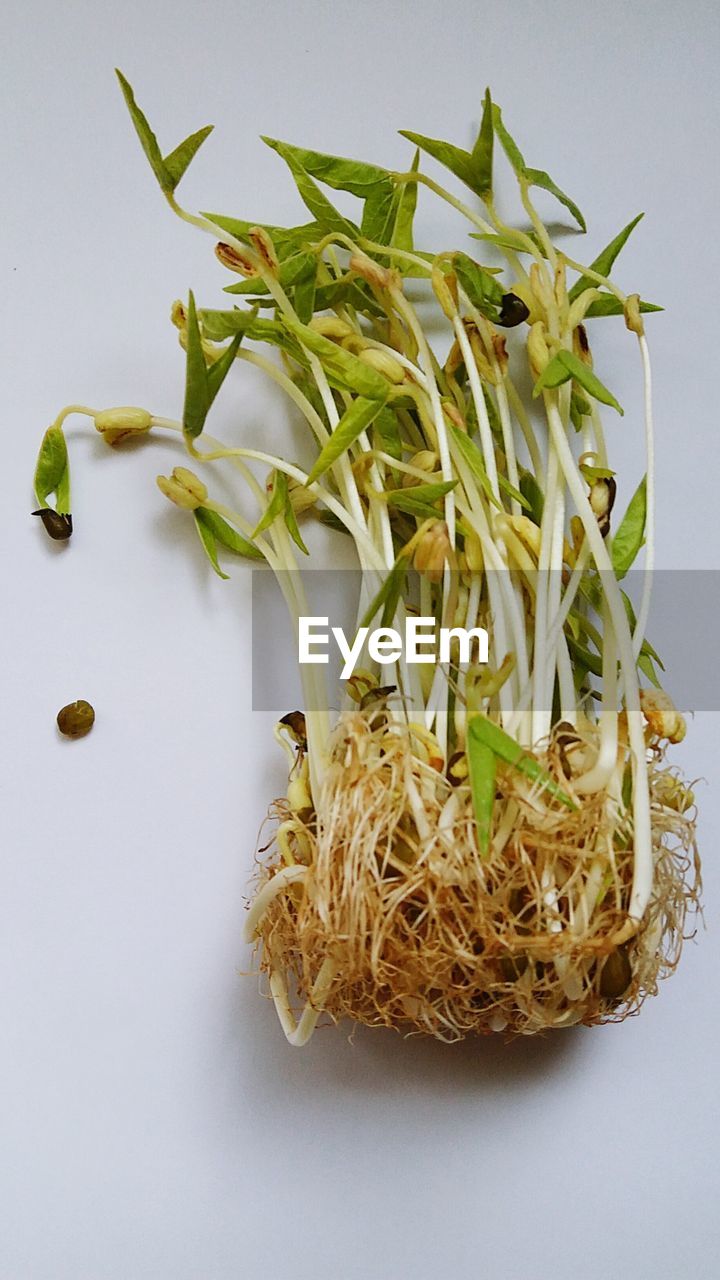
(155, 1126)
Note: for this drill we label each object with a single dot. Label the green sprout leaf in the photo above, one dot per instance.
(484, 731)
(212, 529)
(483, 290)
(566, 365)
(402, 232)
(379, 213)
(474, 459)
(387, 433)
(219, 325)
(604, 262)
(481, 156)
(388, 597)
(609, 305)
(280, 505)
(453, 158)
(299, 266)
(482, 770)
(52, 471)
(312, 197)
(630, 534)
(533, 177)
(353, 422)
(355, 176)
(209, 543)
(287, 240)
(533, 495)
(425, 494)
(202, 382)
(350, 373)
(170, 169)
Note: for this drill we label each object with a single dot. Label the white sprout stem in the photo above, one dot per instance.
(598, 777)
(299, 1033)
(508, 441)
(644, 610)
(408, 314)
(541, 712)
(528, 434)
(643, 859)
(483, 419)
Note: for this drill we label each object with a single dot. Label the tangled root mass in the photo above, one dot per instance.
(426, 935)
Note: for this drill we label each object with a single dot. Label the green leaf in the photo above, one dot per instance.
(169, 170)
(329, 519)
(579, 408)
(473, 457)
(482, 770)
(218, 325)
(645, 664)
(481, 156)
(287, 240)
(350, 373)
(388, 597)
(276, 505)
(604, 262)
(509, 239)
(209, 543)
(291, 525)
(402, 233)
(299, 266)
(52, 472)
(202, 383)
(483, 290)
(405, 501)
(453, 158)
(534, 177)
(646, 650)
(147, 138)
(280, 505)
(539, 178)
(427, 493)
(386, 429)
(352, 423)
(509, 145)
(609, 305)
(378, 213)
(303, 296)
(564, 366)
(226, 535)
(488, 734)
(313, 198)
(533, 495)
(630, 534)
(337, 172)
(179, 159)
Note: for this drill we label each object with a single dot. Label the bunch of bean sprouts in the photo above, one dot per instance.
(466, 847)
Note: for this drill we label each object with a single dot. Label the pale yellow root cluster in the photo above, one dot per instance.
(386, 913)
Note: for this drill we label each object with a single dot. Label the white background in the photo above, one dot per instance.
(155, 1123)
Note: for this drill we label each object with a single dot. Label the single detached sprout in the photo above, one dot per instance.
(465, 847)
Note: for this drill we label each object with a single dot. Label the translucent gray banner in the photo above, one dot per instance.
(683, 627)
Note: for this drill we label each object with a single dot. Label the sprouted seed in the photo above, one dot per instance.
(76, 719)
(463, 848)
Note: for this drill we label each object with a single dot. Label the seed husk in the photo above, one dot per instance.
(76, 719)
(512, 311)
(58, 525)
(616, 975)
